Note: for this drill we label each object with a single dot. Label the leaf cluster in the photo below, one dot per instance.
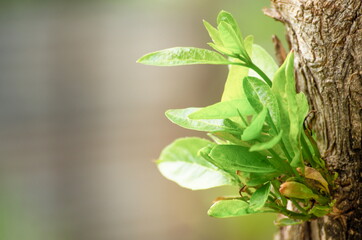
(258, 140)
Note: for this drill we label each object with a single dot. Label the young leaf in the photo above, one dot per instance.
(221, 49)
(259, 95)
(183, 56)
(290, 92)
(222, 110)
(230, 39)
(259, 197)
(303, 108)
(267, 145)
(278, 89)
(297, 190)
(248, 43)
(235, 158)
(213, 33)
(254, 129)
(180, 117)
(180, 162)
(256, 179)
(234, 85)
(264, 61)
(228, 18)
(229, 208)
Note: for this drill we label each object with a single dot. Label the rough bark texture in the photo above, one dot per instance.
(326, 36)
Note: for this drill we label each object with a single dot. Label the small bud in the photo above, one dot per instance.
(296, 190)
(313, 174)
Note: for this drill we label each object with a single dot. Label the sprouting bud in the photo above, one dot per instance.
(296, 190)
(313, 174)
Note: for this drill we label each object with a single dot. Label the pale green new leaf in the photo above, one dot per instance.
(278, 88)
(213, 33)
(268, 144)
(254, 129)
(264, 61)
(234, 84)
(180, 162)
(303, 108)
(183, 56)
(230, 39)
(223, 110)
(259, 95)
(180, 117)
(235, 158)
(292, 101)
(259, 197)
(229, 208)
(228, 18)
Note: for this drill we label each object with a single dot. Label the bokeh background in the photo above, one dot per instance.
(81, 122)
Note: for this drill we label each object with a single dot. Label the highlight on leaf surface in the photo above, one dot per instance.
(181, 163)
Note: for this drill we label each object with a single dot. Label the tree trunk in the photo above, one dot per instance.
(326, 36)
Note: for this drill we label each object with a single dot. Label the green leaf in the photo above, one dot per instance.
(224, 51)
(183, 56)
(256, 179)
(229, 208)
(254, 129)
(259, 197)
(303, 108)
(230, 39)
(228, 18)
(278, 88)
(180, 117)
(222, 110)
(235, 158)
(290, 91)
(248, 43)
(259, 95)
(180, 162)
(267, 145)
(264, 61)
(234, 85)
(213, 33)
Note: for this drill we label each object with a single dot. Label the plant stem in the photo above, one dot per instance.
(261, 73)
(298, 206)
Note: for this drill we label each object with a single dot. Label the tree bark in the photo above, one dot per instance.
(326, 36)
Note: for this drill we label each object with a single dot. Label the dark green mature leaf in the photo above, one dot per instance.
(235, 158)
(254, 129)
(259, 197)
(180, 162)
(183, 56)
(259, 95)
(264, 61)
(229, 208)
(267, 145)
(256, 179)
(223, 110)
(180, 117)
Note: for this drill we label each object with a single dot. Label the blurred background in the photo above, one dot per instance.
(81, 122)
